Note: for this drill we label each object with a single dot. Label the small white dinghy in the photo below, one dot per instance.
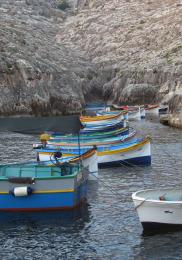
(159, 208)
(134, 113)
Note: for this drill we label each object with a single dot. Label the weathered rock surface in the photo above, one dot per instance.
(117, 51)
(38, 75)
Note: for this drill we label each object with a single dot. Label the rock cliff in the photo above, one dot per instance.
(53, 60)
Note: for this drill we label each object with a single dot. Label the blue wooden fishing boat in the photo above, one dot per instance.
(88, 158)
(134, 152)
(90, 137)
(129, 133)
(103, 119)
(103, 127)
(36, 186)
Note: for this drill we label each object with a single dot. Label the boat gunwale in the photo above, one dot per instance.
(85, 119)
(127, 149)
(70, 176)
(135, 197)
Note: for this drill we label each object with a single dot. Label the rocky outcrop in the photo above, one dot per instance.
(54, 61)
(137, 42)
(38, 75)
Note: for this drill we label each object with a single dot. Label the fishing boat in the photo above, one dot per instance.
(91, 136)
(35, 186)
(152, 109)
(88, 157)
(134, 113)
(95, 106)
(116, 107)
(127, 134)
(114, 125)
(135, 152)
(102, 119)
(159, 208)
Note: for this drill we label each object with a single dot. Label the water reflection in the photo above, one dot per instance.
(50, 218)
(109, 227)
(165, 246)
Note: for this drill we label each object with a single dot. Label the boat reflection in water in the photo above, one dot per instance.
(167, 246)
(50, 218)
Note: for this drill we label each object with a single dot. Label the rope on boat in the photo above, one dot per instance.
(104, 184)
(141, 203)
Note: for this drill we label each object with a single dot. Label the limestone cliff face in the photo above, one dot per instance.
(38, 75)
(137, 42)
(53, 61)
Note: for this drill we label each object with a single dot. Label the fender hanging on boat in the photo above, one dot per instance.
(21, 191)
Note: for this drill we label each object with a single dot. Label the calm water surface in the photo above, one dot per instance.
(108, 227)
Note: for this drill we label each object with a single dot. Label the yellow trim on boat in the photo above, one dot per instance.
(44, 191)
(98, 118)
(127, 149)
(53, 191)
(83, 156)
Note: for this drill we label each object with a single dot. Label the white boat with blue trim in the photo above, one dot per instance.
(134, 152)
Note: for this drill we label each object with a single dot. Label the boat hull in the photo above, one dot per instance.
(50, 201)
(127, 134)
(140, 161)
(49, 190)
(136, 154)
(160, 227)
(135, 114)
(155, 213)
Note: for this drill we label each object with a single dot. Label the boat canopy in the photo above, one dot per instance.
(38, 125)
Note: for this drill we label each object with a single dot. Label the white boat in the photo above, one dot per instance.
(135, 152)
(107, 118)
(134, 113)
(159, 208)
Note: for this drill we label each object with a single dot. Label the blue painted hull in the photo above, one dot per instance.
(140, 161)
(45, 201)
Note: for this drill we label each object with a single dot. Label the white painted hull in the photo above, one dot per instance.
(135, 154)
(159, 212)
(104, 122)
(135, 115)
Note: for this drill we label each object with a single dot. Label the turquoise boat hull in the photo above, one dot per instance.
(52, 188)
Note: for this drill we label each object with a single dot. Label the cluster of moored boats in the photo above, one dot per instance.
(71, 150)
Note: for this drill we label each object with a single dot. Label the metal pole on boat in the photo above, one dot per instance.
(79, 152)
